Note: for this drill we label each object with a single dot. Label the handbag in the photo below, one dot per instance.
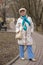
(18, 35)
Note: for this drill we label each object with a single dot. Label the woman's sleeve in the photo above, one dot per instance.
(32, 25)
(17, 26)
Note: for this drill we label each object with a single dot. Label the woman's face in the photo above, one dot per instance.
(22, 13)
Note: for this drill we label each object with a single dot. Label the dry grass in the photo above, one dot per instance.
(8, 47)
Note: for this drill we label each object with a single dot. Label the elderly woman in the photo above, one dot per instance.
(25, 25)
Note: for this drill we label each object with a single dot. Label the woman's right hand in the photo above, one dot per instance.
(18, 32)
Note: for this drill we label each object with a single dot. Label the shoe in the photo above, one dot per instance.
(22, 58)
(34, 60)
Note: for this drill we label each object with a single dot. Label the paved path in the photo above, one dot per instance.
(12, 25)
(38, 50)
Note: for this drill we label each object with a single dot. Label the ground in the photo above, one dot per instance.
(9, 49)
(8, 46)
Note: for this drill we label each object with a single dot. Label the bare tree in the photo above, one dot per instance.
(34, 9)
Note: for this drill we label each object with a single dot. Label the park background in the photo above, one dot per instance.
(8, 16)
